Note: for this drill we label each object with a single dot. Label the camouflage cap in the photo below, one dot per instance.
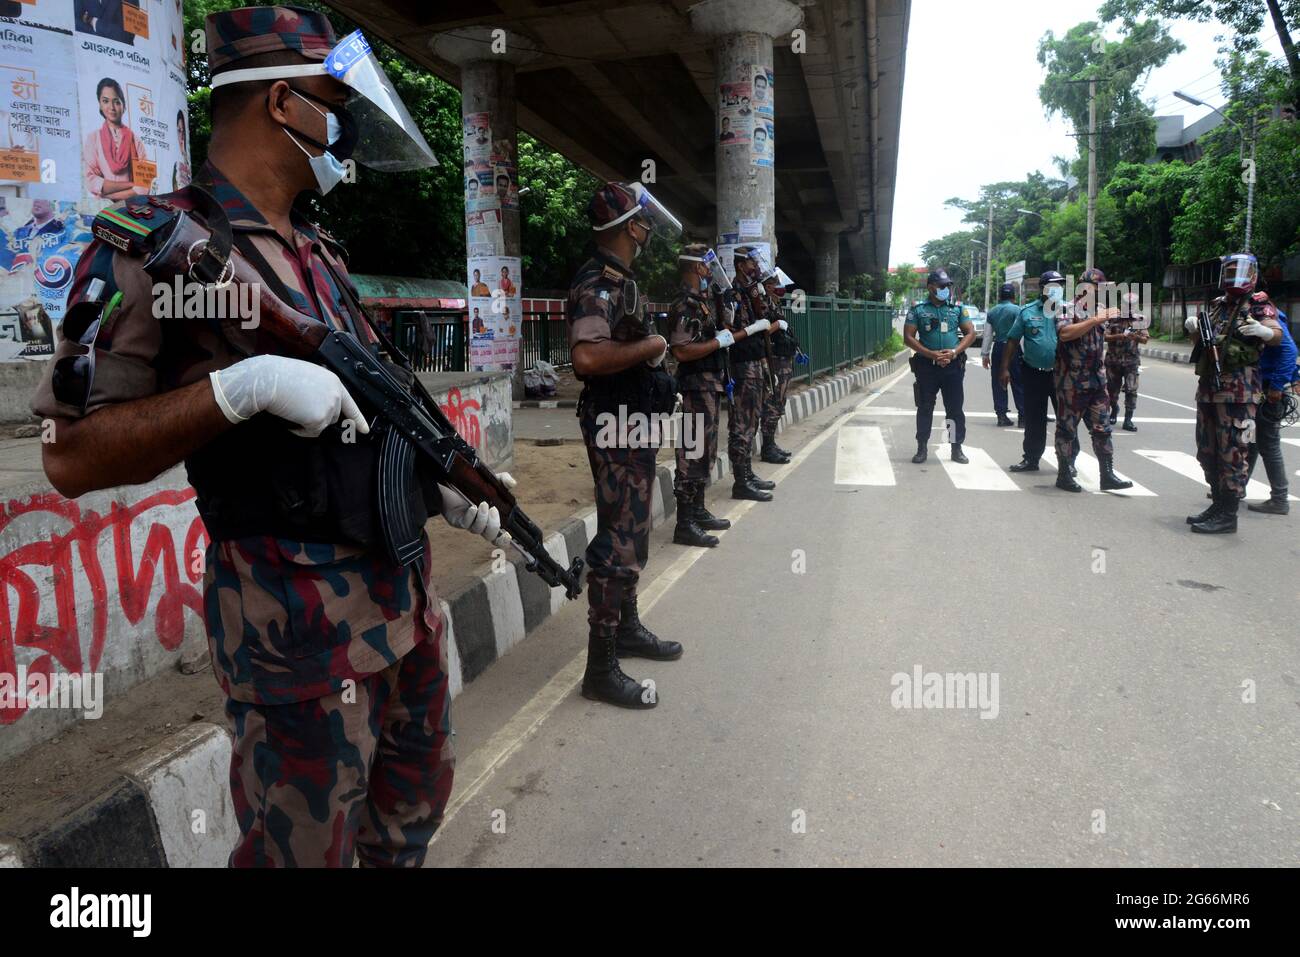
(610, 203)
(1093, 276)
(742, 252)
(234, 35)
(693, 252)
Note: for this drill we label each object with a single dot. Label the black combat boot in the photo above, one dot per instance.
(706, 519)
(1114, 412)
(771, 454)
(1003, 419)
(1110, 482)
(1275, 504)
(1024, 465)
(604, 679)
(1210, 512)
(635, 640)
(779, 450)
(1064, 480)
(741, 489)
(762, 484)
(958, 455)
(1128, 418)
(1074, 469)
(921, 454)
(687, 532)
(1222, 522)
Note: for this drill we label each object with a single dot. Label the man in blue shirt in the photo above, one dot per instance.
(999, 321)
(1031, 342)
(939, 337)
(1277, 369)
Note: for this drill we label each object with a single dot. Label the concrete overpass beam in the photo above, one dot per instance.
(743, 31)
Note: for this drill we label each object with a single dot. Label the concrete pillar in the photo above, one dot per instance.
(827, 261)
(743, 31)
(487, 58)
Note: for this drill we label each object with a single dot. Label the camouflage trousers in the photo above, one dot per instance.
(746, 409)
(1081, 401)
(624, 480)
(774, 405)
(364, 771)
(1123, 377)
(1224, 431)
(694, 470)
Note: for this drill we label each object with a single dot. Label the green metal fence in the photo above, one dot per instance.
(837, 332)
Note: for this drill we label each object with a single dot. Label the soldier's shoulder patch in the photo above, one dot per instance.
(612, 274)
(127, 227)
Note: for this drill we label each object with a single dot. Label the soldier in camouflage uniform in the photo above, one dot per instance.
(1227, 399)
(747, 370)
(1123, 342)
(332, 656)
(1081, 384)
(781, 362)
(619, 358)
(699, 338)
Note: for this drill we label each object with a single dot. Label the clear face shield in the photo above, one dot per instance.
(387, 139)
(654, 215)
(717, 274)
(1239, 273)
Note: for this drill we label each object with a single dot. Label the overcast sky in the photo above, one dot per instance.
(953, 51)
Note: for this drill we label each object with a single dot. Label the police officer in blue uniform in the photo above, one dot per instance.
(939, 337)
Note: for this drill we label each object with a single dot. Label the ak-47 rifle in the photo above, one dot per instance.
(1206, 329)
(412, 425)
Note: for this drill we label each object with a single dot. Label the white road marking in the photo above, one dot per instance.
(474, 771)
(861, 457)
(1292, 441)
(911, 413)
(1090, 476)
(1156, 398)
(1187, 465)
(981, 474)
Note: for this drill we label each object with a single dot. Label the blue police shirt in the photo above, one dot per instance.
(938, 327)
(1037, 334)
(1277, 363)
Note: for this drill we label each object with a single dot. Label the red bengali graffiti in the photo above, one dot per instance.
(60, 644)
(463, 414)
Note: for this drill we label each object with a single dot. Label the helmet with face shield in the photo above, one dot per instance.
(1238, 274)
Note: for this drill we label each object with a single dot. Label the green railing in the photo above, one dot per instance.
(837, 332)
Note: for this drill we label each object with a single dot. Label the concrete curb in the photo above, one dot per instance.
(545, 403)
(170, 807)
(1169, 355)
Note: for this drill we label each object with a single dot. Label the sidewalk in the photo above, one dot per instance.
(1180, 351)
(125, 789)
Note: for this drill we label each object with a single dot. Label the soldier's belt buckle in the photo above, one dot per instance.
(195, 253)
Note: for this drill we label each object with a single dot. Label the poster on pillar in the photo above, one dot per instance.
(764, 147)
(483, 234)
(495, 312)
(92, 110)
(735, 114)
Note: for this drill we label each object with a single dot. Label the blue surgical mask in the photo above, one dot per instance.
(1055, 293)
(327, 168)
(943, 294)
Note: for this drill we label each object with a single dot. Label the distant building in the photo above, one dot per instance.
(1174, 141)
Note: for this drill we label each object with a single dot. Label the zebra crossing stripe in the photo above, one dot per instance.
(1185, 464)
(982, 474)
(861, 457)
(1090, 476)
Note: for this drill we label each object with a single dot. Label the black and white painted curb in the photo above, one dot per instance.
(171, 806)
(545, 404)
(1169, 355)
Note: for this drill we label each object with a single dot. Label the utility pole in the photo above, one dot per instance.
(1092, 170)
(988, 261)
(1250, 179)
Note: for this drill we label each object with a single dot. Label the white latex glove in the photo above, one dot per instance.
(310, 396)
(725, 339)
(481, 519)
(663, 351)
(761, 325)
(782, 325)
(1192, 325)
(1256, 329)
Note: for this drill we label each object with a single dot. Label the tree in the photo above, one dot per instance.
(1244, 17)
(1125, 124)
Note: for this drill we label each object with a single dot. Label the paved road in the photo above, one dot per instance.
(1116, 733)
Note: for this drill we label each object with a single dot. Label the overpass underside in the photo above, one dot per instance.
(613, 84)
